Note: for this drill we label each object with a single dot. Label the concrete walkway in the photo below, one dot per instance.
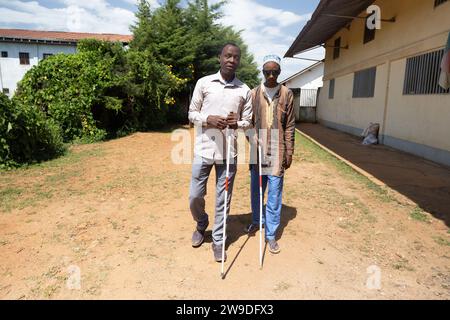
(422, 181)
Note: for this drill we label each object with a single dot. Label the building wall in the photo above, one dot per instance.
(310, 79)
(419, 124)
(11, 71)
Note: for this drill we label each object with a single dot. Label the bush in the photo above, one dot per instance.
(66, 88)
(26, 135)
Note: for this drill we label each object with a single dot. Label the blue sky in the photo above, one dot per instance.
(267, 26)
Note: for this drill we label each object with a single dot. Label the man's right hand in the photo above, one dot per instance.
(217, 122)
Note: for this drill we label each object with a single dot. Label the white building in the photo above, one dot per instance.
(20, 50)
(306, 85)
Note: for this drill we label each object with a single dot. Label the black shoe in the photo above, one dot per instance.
(217, 249)
(273, 246)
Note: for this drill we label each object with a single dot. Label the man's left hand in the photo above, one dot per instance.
(288, 161)
(232, 120)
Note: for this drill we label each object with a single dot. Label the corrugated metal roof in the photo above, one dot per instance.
(315, 65)
(320, 27)
(61, 36)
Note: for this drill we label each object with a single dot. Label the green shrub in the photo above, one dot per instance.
(26, 135)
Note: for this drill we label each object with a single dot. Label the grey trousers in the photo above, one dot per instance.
(200, 174)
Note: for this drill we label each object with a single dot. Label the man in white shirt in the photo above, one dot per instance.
(220, 104)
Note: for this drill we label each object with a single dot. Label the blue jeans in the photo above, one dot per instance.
(272, 211)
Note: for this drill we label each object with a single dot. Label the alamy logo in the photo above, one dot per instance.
(74, 278)
(374, 279)
(374, 19)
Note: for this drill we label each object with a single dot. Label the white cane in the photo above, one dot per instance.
(260, 207)
(228, 138)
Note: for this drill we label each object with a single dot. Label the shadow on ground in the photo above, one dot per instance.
(424, 182)
(237, 222)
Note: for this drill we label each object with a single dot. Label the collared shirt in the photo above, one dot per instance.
(215, 96)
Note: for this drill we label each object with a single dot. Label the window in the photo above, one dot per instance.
(24, 57)
(369, 34)
(337, 48)
(364, 83)
(46, 55)
(6, 90)
(439, 2)
(422, 74)
(331, 89)
(4, 54)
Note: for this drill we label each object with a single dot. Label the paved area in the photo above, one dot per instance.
(422, 181)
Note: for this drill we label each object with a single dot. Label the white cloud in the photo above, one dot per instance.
(153, 3)
(264, 28)
(79, 16)
(264, 31)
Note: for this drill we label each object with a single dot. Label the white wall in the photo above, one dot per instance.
(11, 71)
(310, 79)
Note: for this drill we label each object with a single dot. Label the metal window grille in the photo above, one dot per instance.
(6, 90)
(24, 57)
(308, 98)
(331, 89)
(46, 55)
(337, 48)
(422, 74)
(439, 2)
(364, 83)
(4, 54)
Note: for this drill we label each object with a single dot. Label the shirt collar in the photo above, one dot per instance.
(235, 82)
(278, 87)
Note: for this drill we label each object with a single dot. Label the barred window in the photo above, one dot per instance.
(6, 91)
(439, 2)
(331, 89)
(337, 48)
(46, 55)
(4, 54)
(364, 83)
(24, 57)
(422, 74)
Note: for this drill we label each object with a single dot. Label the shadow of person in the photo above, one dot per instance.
(287, 214)
(235, 228)
(236, 224)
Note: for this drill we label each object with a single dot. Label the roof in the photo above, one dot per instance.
(58, 37)
(321, 27)
(315, 65)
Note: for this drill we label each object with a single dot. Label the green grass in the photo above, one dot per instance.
(419, 215)
(441, 241)
(9, 197)
(55, 174)
(402, 264)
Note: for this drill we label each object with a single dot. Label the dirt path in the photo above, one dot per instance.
(116, 214)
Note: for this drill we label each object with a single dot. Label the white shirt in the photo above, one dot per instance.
(214, 96)
(270, 92)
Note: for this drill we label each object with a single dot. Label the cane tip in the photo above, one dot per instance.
(222, 276)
